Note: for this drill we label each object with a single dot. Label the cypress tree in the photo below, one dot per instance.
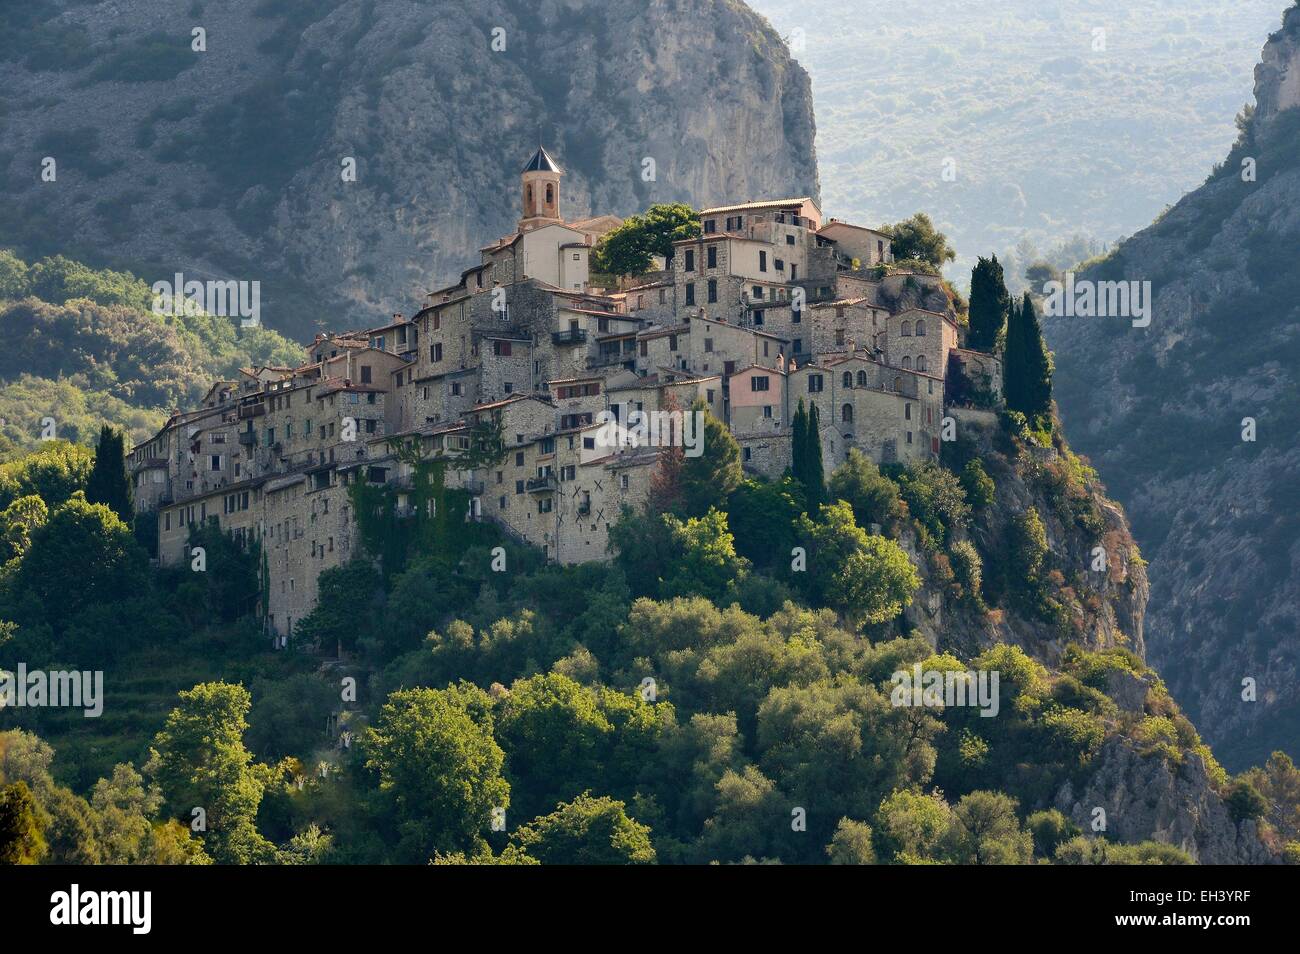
(799, 444)
(990, 305)
(815, 477)
(1027, 367)
(108, 482)
(1039, 381)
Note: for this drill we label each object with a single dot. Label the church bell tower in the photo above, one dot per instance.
(541, 192)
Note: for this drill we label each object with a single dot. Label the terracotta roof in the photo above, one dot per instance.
(769, 204)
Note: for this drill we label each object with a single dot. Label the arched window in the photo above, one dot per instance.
(848, 379)
(530, 198)
(898, 384)
(907, 329)
(920, 362)
(862, 379)
(846, 414)
(550, 193)
(907, 363)
(920, 328)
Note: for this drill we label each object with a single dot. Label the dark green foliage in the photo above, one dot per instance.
(990, 304)
(917, 239)
(587, 831)
(761, 516)
(873, 496)
(345, 592)
(629, 248)
(109, 482)
(708, 479)
(1027, 370)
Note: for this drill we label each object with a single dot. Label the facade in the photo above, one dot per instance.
(769, 306)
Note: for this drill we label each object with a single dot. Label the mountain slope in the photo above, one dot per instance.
(1217, 515)
(228, 163)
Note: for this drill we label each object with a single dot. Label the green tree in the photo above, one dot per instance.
(708, 478)
(978, 485)
(990, 304)
(910, 827)
(814, 477)
(628, 249)
(799, 443)
(851, 844)
(917, 239)
(109, 482)
(434, 753)
(346, 593)
(984, 830)
(199, 760)
(21, 840)
(1027, 366)
(873, 496)
(19, 521)
(54, 472)
(867, 579)
(706, 563)
(761, 515)
(13, 276)
(587, 831)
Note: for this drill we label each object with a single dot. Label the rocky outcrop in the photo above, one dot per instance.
(1194, 423)
(229, 163)
(1153, 798)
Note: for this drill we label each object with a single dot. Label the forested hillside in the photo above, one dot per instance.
(708, 696)
(85, 347)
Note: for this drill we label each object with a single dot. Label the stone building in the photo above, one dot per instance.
(768, 306)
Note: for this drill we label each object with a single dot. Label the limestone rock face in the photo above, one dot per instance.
(1194, 425)
(1147, 797)
(229, 163)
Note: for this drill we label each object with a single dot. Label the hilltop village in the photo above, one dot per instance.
(769, 305)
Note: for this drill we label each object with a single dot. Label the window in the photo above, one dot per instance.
(501, 348)
(713, 290)
(455, 388)
(690, 293)
(690, 259)
(435, 352)
(709, 394)
(906, 331)
(748, 454)
(545, 504)
(759, 382)
(672, 342)
(519, 486)
(216, 462)
(758, 318)
(711, 254)
(624, 482)
(789, 240)
(920, 328)
(519, 455)
(767, 411)
(710, 226)
(839, 336)
(762, 261)
(907, 412)
(909, 437)
(907, 363)
(758, 292)
(780, 264)
(846, 414)
(920, 362)
(815, 383)
(847, 379)
(365, 374)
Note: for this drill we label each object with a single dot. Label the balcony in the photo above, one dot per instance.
(247, 411)
(570, 337)
(541, 485)
(248, 438)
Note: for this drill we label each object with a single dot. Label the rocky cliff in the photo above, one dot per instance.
(1192, 423)
(228, 161)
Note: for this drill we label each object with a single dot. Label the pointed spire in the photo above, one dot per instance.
(542, 162)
